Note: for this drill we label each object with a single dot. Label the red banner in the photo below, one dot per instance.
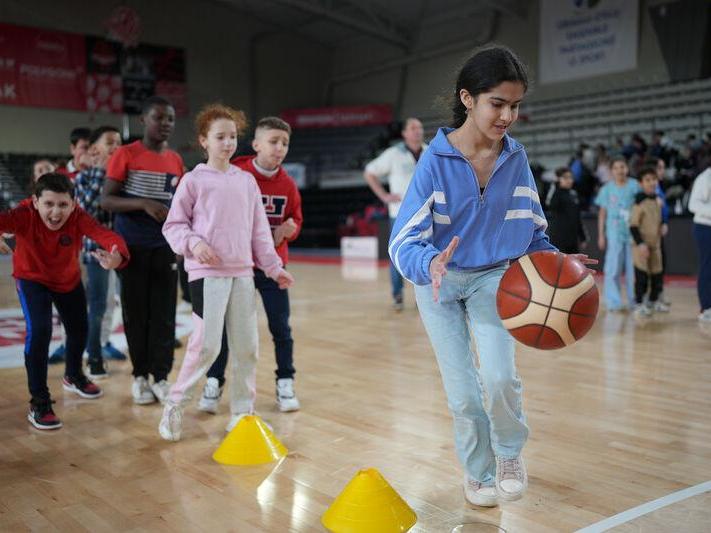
(338, 117)
(42, 68)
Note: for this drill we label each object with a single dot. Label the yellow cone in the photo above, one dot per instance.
(251, 442)
(368, 504)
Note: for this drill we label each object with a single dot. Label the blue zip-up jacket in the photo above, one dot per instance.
(444, 201)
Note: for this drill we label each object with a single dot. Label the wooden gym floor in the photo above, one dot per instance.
(620, 419)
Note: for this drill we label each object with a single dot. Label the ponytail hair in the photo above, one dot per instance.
(487, 68)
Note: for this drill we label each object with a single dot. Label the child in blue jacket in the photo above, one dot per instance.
(474, 186)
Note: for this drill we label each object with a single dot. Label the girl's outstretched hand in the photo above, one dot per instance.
(285, 280)
(584, 259)
(204, 254)
(438, 267)
(108, 260)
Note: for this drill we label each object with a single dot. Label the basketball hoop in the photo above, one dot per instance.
(124, 26)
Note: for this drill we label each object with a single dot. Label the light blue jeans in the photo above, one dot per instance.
(618, 259)
(486, 401)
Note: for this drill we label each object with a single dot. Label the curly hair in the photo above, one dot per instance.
(212, 112)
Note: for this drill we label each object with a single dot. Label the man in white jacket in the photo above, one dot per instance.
(396, 165)
(700, 205)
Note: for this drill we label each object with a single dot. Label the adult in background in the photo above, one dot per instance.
(396, 165)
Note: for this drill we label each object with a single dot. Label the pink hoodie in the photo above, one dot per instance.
(225, 210)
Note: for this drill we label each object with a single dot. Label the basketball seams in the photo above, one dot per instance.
(529, 300)
(555, 288)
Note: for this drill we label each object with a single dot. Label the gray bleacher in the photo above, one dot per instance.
(554, 128)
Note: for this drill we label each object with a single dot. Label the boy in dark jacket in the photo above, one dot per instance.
(565, 227)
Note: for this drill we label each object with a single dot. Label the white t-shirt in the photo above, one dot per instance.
(700, 199)
(397, 164)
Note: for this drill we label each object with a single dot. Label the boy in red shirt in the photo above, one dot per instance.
(282, 203)
(141, 178)
(46, 268)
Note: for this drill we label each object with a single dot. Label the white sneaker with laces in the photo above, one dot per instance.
(171, 423)
(705, 316)
(210, 398)
(511, 478)
(141, 391)
(642, 311)
(476, 493)
(285, 395)
(660, 307)
(160, 390)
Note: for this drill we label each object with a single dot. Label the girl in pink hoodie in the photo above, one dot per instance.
(218, 223)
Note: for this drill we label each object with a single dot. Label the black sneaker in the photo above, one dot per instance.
(41, 414)
(82, 386)
(97, 371)
(398, 304)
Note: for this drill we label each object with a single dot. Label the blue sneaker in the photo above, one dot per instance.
(109, 351)
(58, 355)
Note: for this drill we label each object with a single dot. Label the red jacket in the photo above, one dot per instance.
(280, 197)
(52, 257)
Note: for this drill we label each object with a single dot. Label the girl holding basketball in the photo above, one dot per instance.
(472, 207)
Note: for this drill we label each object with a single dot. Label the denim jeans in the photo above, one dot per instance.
(618, 259)
(485, 401)
(97, 288)
(395, 277)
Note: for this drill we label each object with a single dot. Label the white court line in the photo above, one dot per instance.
(646, 508)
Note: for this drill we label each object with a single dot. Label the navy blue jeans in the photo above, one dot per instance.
(276, 306)
(36, 301)
(396, 282)
(97, 288)
(702, 234)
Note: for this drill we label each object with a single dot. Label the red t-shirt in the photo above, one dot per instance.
(52, 257)
(144, 174)
(280, 197)
(71, 174)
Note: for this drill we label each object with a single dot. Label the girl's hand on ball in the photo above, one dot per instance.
(438, 267)
(584, 259)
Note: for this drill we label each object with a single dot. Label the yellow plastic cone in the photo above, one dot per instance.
(368, 504)
(251, 442)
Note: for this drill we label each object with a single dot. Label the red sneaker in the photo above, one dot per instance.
(41, 414)
(82, 386)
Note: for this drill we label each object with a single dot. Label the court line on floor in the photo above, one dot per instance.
(646, 508)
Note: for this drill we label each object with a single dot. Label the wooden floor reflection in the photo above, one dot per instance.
(621, 418)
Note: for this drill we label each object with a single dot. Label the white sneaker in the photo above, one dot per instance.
(660, 307)
(285, 395)
(211, 394)
(705, 316)
(171, 423)
(478, 494)
(236, 418)
(141, 391)
(160, 390)
(511, 478)
(642, 311)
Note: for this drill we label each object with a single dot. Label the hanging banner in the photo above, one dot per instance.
(338, 117)
(42, 68)
(583, 38)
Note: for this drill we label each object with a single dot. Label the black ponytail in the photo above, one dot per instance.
(487, 68)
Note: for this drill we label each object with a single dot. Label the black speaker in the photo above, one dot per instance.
(683, 29)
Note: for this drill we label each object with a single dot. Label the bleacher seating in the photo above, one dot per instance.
(554, 128)
(328, 153)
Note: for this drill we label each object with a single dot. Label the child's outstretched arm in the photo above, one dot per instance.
(119, 256)
(14, 220)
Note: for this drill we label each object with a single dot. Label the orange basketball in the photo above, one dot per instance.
(547, 300)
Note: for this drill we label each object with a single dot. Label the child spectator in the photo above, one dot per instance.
(282, 203)
(565, 227)
(79, 148)
(141, 181)
(646, 229)
(218, 223)
(103, 142)
(46, 269)
(615, 200)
